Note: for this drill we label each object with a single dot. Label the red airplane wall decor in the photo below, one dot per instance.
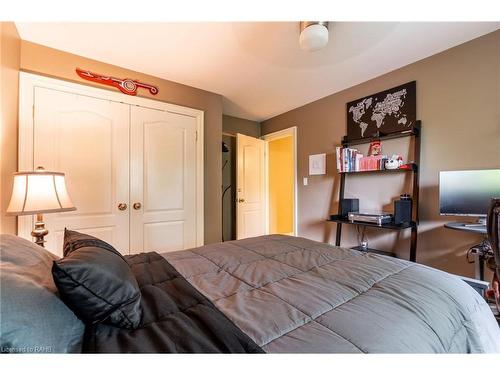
(126, 86)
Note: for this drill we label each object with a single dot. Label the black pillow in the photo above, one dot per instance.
(96, 282)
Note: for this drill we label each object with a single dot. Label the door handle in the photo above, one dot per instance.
(122, 206)
(137, 206)
(241, 200)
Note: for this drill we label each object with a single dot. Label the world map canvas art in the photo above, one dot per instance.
(389, 111)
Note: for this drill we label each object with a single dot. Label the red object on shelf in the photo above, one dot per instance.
(370, 163)
(406, 166)
(126, 86)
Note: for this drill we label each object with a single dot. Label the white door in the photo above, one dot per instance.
(250, 187)
(163, 181)
(88, 140)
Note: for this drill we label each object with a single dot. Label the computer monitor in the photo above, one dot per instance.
(468, 193)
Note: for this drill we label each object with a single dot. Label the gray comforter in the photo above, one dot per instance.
(290, 294)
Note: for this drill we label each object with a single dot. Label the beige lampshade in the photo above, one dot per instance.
(39, 192)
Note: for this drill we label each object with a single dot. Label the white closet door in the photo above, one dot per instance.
(163, 181)
(88, 139)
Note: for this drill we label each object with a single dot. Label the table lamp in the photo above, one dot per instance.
(37, 193)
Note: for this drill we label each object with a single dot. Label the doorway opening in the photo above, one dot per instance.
(259, 189)
(280, 185)
(281, 182)
(228, 187)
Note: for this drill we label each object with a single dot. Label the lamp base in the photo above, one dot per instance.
(39, 232)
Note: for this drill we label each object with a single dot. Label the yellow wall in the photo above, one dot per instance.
(9, 92)
(281, 185)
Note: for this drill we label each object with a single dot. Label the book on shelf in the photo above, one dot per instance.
(351, 160)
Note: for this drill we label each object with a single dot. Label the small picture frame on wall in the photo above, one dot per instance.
(317, 164)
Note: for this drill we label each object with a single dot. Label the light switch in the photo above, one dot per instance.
(305, 181)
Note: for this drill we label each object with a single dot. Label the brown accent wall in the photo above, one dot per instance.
(458, 101)
(10, 45)
(233, 125)
(58, 64)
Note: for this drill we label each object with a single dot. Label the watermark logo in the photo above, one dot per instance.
(25, 349)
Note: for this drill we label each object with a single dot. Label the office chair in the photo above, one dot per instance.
(493, 228)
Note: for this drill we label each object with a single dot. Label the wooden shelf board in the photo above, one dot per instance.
(392, 226)
(413, 169)
(415, 131)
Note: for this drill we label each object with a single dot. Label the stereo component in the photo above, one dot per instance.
(374, 218)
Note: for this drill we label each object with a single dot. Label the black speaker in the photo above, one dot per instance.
(348, 205)
(402, 210)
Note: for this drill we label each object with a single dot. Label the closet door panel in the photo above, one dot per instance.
(87, 139)
(163, 167)
(164, 235)
(78, 133)
(163, 181)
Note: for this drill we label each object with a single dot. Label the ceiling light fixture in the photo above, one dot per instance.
(313, 35)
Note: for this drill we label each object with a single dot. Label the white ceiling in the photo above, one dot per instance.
(258, 67)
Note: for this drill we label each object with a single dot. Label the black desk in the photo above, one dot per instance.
(478, 255)
(467, 227)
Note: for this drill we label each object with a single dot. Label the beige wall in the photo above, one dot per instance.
(54, 63)
(280, 156)
(9, 91)
(458, 101)
(233, 125)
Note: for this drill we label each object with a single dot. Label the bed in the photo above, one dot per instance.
(293, 295)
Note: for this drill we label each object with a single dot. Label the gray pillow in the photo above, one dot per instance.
(32, 317)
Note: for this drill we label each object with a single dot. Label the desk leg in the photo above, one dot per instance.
(338, 234)
(413, 244)
(478, 265)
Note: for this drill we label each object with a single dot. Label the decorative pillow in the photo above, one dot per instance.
(33, 318)
(96, 282)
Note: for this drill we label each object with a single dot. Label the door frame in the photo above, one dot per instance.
(288, 132)
(27, 84)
